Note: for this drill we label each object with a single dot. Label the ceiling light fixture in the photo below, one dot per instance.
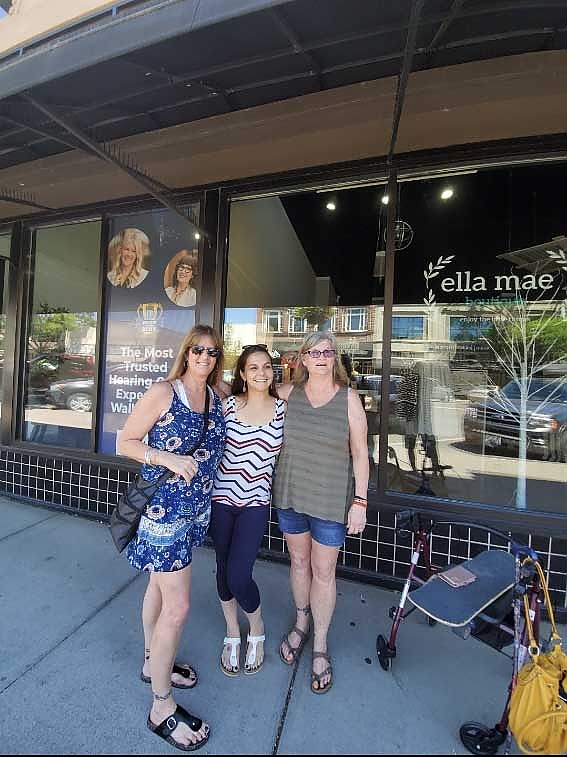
(447, 193)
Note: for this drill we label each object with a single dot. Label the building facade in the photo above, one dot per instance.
(440, 265)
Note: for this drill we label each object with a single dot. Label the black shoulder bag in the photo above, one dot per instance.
(132, 504)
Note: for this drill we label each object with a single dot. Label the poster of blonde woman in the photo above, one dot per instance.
(178, 279)
(128, 254)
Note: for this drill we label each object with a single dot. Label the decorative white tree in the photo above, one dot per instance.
(528, 338)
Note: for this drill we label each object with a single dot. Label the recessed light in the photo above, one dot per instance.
(447, 193)
(331, 206)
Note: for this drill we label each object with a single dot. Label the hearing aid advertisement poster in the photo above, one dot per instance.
(152, 292)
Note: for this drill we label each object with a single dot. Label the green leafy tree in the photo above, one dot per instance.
(315, 316)
(50, 326)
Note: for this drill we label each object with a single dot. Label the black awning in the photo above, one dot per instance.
(151, 64)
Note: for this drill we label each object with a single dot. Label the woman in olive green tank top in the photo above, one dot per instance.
(317, 505)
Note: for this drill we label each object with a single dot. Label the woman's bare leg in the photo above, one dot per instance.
(323, 598)
(175, 592)
(299, 546)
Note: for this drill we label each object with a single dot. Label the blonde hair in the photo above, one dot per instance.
(180, 364)
(301, 373)
(142, 245)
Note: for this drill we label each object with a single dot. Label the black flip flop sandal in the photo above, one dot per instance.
(166, 728)
(294, 652)
(188, 673)
(316, 677)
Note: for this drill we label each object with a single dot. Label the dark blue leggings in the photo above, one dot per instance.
(237, 535)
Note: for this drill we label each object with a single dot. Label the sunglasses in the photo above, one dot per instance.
(252, 346)
(324, 353)
(198, 349)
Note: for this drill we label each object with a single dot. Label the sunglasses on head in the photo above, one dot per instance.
(198, 349)
(324, 353)
(252, 346)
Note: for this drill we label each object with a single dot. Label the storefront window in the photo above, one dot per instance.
(479, 410)
(295, 267)
(4, 270)
(61, 344)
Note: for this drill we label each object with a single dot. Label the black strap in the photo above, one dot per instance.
(205, 422)
(167, 473)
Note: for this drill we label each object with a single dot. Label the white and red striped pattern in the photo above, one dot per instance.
(244, 476)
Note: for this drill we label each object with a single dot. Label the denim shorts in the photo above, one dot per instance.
(326, 532)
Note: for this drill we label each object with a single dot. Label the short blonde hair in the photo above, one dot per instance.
(301, 373)
(180, 365)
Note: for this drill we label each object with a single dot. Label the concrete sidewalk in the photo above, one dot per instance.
(71, 649)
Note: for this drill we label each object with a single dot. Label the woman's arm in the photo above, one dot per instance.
(284, 390)
(358, 429)
(146, 412)
(223, 389)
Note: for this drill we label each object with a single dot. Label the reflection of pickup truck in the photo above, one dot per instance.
(494, 422)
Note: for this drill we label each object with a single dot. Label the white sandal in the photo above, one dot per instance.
(253, 642)
(232, 642)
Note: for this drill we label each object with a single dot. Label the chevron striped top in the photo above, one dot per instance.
(244, 476)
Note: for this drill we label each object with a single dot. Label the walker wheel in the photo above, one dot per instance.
(479, 739)
(385, 654)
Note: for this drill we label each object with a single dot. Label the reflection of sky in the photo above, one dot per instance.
(240, 315)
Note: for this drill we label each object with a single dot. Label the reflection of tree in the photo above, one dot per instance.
(315, 316)
(50, 326)
(526, 338)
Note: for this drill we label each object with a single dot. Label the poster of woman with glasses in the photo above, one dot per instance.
(179, 276)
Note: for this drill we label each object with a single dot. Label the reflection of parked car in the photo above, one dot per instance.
(495, 420)
(74, 394)
(369, 387)
(47, 367)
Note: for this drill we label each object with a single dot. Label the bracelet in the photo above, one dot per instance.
(148, 456)
(360, 501)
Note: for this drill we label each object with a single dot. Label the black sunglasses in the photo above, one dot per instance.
(252, 346)
(198, 349)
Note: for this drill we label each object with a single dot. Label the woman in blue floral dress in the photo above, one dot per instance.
(171, 416)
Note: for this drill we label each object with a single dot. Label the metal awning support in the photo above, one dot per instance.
(415, 14)
(7, 194)
(118, 159)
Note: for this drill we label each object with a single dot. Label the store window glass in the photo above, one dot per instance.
(61, 343)
(479, 339)
(4, 270)
(295, 266)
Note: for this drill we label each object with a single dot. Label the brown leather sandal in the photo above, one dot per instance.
(293, 651)
(316, 677)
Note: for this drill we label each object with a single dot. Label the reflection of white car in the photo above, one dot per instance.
(480, 392)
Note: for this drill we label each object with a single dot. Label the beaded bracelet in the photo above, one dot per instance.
(360, 501)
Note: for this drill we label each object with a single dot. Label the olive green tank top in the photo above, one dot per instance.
(314, 470)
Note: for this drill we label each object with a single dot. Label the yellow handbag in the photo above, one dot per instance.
(537, 716)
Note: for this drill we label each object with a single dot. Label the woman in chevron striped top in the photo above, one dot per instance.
(241, 500)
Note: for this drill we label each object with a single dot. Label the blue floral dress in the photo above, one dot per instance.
(177, 518)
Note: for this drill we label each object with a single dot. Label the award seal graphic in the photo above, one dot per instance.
(149, 316)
